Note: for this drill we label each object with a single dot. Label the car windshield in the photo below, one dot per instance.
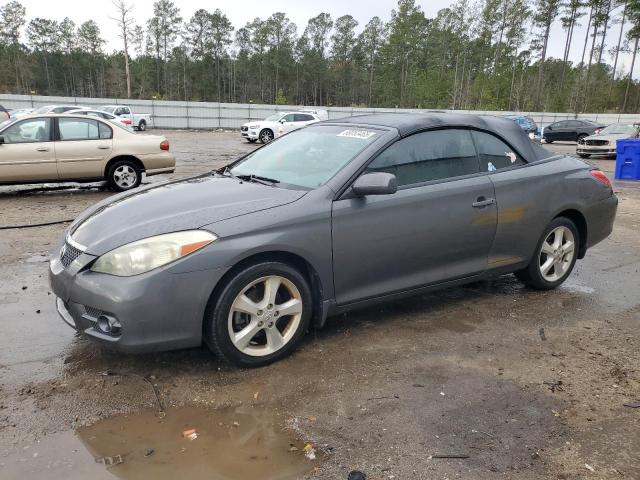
(307, 158)
(107, 108)
(273, 118)
(619, 128)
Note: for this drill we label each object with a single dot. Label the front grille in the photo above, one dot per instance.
(93, 312)
(244, 129)
(597, 143)
(68, 254)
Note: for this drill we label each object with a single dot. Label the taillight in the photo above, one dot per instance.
(126, 121)
(164, 145)
(601, 177)
(597, 130)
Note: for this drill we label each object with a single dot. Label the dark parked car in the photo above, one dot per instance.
(326, 219)
(526, 123)
(570, 130)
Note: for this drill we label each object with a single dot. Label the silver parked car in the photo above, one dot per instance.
(604, 142)
(329, 218)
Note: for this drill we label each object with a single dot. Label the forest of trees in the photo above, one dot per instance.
(480, 54)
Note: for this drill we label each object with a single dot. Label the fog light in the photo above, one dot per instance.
(109, 325)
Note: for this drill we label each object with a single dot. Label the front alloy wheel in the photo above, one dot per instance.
(266, 136)
(260, 316)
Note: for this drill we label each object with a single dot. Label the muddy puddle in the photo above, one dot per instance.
(188, 443)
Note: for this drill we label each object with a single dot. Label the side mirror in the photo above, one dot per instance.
(377, 183)
(548, 128)
(282, 120)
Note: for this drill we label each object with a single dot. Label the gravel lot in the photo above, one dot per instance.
(523, 384)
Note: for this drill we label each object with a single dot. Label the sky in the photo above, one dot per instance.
(299, 11)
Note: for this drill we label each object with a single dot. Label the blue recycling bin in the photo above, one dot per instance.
(628, 159)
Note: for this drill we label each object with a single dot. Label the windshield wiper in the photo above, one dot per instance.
(227, 172)
(259, 179)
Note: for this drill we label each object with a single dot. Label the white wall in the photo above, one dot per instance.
(209, 115)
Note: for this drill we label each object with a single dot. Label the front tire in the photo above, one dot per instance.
(555, 256)
(260, 316)
(124, 175)
(266, 135)
(546, 140)
(142, 126)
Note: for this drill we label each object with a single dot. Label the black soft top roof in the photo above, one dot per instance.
(408, 123)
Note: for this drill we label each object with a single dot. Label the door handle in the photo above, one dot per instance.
(42, 149)
(482, 202)
(103, 147)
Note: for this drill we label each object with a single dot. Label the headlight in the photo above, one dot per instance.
(254, 126)
(153, 252)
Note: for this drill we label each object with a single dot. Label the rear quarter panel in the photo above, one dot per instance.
(530, 197)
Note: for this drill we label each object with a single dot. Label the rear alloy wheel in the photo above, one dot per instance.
(555, 256)
(124, 175)
(260, 316)
(266, 136)
(581, 137)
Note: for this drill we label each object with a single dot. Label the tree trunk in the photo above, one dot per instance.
(604, 32)
(541, 67)
(615, 62)
(633, 63)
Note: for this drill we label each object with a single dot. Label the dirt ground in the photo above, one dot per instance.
(517, 383)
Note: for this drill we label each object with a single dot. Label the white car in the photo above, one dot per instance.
(280, 123)
(139, 121)
(100, 114)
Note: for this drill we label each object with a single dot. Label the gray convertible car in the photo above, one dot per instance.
(324, 220)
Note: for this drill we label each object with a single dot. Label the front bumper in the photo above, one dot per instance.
(158, 310)
(596, 149)
(249, 134)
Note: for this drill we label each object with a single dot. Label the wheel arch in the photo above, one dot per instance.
(293, 259)
(117, 158)
(581, 224)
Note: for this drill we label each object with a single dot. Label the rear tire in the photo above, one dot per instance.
(554, 258)
(142, 126)
(124, 175)
(581, 136)
(253, 301)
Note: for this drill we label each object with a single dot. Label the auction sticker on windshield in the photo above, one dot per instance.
(361, 134)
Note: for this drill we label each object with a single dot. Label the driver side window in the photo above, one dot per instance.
(288, 118)
(28, 131)
(428, 156)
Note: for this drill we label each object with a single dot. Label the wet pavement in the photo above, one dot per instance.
(522, 384)
(229, 444)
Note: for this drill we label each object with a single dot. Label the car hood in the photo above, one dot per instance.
(169, 207)
(261, 123)
(610, 137)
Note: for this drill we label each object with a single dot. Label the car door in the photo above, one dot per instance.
(438, 226)
(573, 130)
(518, 190)
(288, 124)
(26, 151)
(552, 131)
(82, 147)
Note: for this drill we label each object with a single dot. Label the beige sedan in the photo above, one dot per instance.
(61, 148)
